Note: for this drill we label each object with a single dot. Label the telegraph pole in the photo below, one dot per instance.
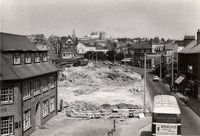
(144, 82)
(172, 69)
(160, 67)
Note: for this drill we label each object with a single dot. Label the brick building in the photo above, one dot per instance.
(28, 93)
(189, 69)
(139, 50)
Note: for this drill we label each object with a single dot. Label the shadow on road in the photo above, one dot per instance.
(145, 133)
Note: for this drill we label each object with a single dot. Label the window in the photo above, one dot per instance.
(17, 59)
(45, 108)
(37, 87)
(51, 82)
(6, 94)
(44, 57)
(44, 85)
(27, 58)
(6, 125)
(26, 120)
(32, 86)
(37, 57)
(52, 104)
(26, 90)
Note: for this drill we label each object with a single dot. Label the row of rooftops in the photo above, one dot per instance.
(12, 42)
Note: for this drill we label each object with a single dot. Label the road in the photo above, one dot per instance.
(190, 121)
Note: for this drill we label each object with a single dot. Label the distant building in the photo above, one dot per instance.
(139, 51)
(102, 35)
(67, 48)
(170, 52)
(28, 94)
(188, 81)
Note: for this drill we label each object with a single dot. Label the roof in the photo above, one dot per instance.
(10, 72)
(64, 39)
(143, 45)
(191, 48)
(179, 42)
(166, 104)
(170, 46)
(16, 42)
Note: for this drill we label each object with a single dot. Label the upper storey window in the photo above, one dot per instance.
(27, 58)
(17, 59)
(37, 57)
(44, 57)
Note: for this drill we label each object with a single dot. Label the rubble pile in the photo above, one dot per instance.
(100, 92)
(81, 109)
(85, 91)
(73, 77)
(118, 79)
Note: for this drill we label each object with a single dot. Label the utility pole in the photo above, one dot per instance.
(172, 69)
(144, 82)
(160, 67)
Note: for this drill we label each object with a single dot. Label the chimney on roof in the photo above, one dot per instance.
(198, 36)
(188, 39)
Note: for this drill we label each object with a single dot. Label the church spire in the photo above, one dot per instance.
(73, 34)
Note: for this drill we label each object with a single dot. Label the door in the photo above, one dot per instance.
(38, 115)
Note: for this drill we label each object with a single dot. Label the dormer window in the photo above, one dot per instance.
(37, 58)
(27, 58)
(44, 57)
(17, 59)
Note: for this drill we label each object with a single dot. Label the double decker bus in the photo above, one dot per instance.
(166, 119)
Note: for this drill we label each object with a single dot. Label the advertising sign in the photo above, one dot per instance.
(166, 129)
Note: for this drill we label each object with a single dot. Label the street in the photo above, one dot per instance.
(190, 121)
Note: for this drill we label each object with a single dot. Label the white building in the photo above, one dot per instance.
(83, 48)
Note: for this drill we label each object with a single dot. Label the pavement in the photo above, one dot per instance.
(193, 103)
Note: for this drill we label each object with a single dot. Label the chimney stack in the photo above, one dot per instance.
(188, 39)
(198, 36)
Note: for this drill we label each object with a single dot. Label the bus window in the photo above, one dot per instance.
(166, 118)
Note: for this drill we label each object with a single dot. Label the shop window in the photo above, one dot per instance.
(6, 125)
(26, 120)
(45, 110)
(7, 95)
(17, 59)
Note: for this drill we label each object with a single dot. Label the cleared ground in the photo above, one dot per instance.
(91, 89)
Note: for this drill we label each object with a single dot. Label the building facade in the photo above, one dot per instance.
(139, 51)
(189, 69)
(28, 93)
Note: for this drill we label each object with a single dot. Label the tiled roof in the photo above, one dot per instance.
(16, 42)
(192, 47)
(10, 72)
(143, 45)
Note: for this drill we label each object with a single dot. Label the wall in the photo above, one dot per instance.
(13, 109)
(31, 103)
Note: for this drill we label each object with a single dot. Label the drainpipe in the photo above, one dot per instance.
(22, 125)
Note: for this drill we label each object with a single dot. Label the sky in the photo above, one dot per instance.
(118, 18)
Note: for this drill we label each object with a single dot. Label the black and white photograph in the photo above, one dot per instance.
(99, 67)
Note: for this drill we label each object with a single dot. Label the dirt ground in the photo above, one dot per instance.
(89, 88)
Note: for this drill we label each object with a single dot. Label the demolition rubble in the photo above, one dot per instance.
(91, 92)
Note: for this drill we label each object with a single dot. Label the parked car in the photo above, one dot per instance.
(156, 79)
